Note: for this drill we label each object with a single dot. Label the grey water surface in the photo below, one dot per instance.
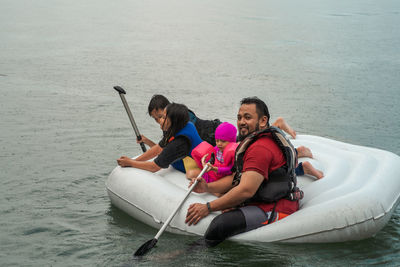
(331, 68)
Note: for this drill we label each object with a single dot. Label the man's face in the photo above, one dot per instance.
(157, 115)
(248, 120)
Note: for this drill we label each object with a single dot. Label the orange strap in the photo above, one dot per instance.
(279, 216)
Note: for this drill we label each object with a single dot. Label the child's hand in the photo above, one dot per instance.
(210, 166)
(203, 160)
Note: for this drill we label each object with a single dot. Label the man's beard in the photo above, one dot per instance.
(242, 137)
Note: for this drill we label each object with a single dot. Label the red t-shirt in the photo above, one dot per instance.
(265, 156)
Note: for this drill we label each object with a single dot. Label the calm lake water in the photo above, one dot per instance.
(331, 68)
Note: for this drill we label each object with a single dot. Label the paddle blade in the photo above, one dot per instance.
(145, 247)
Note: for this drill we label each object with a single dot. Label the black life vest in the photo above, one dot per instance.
(281, 182)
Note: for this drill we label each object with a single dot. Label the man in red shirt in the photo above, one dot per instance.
(260, 159)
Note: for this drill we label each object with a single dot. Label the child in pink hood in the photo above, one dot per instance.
(225, 138)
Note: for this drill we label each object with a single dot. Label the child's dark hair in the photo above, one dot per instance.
(179, 116)
(261, 107)
(157, 102)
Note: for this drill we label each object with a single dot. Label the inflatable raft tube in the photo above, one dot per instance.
(354, 201)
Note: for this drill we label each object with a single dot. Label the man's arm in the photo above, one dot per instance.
(144, 165)
(151, 153)
(249, 183)
(146, 140)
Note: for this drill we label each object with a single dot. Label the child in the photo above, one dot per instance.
(225, 138)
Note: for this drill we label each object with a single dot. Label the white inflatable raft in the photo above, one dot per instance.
(354, 200)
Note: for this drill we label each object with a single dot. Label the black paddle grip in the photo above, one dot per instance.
(143, 147)
(119, 89)
(212, 158)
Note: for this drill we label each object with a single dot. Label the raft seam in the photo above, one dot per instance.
(332, 229)
(126, 201)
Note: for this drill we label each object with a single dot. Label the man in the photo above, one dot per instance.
(260, 160)
(157, 104)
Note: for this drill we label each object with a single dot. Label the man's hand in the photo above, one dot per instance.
(142, 139)
(124, 161)
(145, 140)
(195, 213)
(201, 187)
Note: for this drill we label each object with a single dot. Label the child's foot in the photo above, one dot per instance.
(304, 152)
(283, 125)
(310, 170)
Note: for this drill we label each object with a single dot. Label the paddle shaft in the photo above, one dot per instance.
(180, 204)
(128, 111)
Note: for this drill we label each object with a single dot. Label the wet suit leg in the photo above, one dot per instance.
(235, 222)
(225, 225)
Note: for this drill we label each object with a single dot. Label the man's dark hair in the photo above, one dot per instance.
(179, 116)
(261, 107)
(157, 102)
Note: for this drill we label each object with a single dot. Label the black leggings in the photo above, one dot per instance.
(234, 222)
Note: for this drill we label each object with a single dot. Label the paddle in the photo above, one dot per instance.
(122, 92)
(151, 243)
